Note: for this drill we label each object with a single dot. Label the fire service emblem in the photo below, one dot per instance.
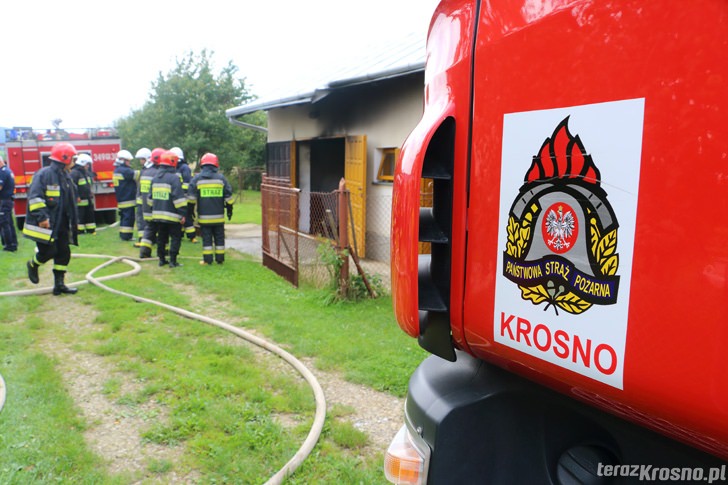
(562, 232)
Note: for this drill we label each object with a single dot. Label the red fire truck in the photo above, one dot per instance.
(575, 297)
(28, 150)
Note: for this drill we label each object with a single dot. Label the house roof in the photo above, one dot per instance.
(380, 63)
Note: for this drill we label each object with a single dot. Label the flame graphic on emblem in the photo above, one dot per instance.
(563, 156)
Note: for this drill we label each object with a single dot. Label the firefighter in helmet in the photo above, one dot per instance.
(125, 188)
(151, 167)
(82, 176)
(51, 217)
(183, 169)
(213, 195)
(169, 208)
(144, 155)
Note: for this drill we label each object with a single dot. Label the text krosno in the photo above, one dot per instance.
(651, 473)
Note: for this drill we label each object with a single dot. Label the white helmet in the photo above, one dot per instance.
(178, 151)
(84, 159)
(144, 153)
(122, 156)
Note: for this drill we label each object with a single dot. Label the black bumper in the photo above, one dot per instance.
(486, 425)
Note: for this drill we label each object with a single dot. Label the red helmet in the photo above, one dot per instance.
(209, 159)
(168, 158)
(63, 152)
(157, 155)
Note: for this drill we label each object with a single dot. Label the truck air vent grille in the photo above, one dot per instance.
(435, 227)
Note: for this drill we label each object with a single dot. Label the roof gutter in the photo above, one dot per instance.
(247, 125)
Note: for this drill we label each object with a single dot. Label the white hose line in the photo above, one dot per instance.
(2, 392)
(318, 392)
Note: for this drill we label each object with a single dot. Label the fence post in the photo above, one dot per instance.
(343, 238)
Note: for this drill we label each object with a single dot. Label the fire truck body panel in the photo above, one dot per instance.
(25, 157)
(585, 243)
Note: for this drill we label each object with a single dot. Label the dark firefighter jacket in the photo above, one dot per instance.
(185, 174)
(84, 184)
(211, 192)
(166, 196)
(52, 195)
(125, 186)
(145, 182)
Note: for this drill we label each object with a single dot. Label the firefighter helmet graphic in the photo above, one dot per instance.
(573, 263)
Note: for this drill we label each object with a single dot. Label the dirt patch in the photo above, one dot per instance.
(114, 430)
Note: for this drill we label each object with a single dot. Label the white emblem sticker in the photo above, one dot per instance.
(568, 207)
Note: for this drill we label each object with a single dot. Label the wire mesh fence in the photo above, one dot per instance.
(297, 224)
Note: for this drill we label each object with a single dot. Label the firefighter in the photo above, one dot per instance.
(145, 181)
(214, 197)
(7, 195)
(51, 218)
(169, 208)
(125, 188)
(144, 155)
(82, 177)
(186, 175)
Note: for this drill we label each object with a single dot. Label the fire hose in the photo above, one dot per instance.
(320, 414)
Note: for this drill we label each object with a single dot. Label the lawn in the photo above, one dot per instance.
(231, 413)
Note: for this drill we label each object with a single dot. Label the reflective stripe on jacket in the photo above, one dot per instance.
(166, 197)
(52, 195)
(211, 192)
(125, 186)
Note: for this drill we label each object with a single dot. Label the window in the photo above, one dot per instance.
(386, 164)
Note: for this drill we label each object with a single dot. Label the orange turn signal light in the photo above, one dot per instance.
(405, 462)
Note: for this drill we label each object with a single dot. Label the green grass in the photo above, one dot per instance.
(246, 207)
(220, 397)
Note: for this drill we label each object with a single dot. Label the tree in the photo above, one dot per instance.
(186, 108)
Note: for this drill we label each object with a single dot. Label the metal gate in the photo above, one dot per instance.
(280, 207)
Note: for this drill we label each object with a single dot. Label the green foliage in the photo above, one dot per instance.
(356, 290)
(186, 108)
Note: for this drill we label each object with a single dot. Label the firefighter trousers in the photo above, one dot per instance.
(7, 227)
(58, 250)
(86, 216)
(168, 232)
(213, 242)
(149, 239)
(126, 223)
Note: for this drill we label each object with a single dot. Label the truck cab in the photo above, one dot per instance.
(574, 294)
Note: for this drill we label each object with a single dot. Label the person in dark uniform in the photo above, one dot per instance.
(51, 217)
(82, 176)
(144, 155)
(7, 196)
(149, 239)
(183, 169)
(125, 188)
(169, 208)
(214, 198)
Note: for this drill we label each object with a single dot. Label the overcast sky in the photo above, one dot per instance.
(91, 62)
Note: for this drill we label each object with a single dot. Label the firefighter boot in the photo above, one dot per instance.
(173, 261)
(33, 272)
(162, 254)
(59, 287)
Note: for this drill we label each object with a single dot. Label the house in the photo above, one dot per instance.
(351, 128)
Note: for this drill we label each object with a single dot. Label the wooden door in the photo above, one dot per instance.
(355, 175)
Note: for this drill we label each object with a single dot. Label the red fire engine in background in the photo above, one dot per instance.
(28, 150)
(575, 297)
